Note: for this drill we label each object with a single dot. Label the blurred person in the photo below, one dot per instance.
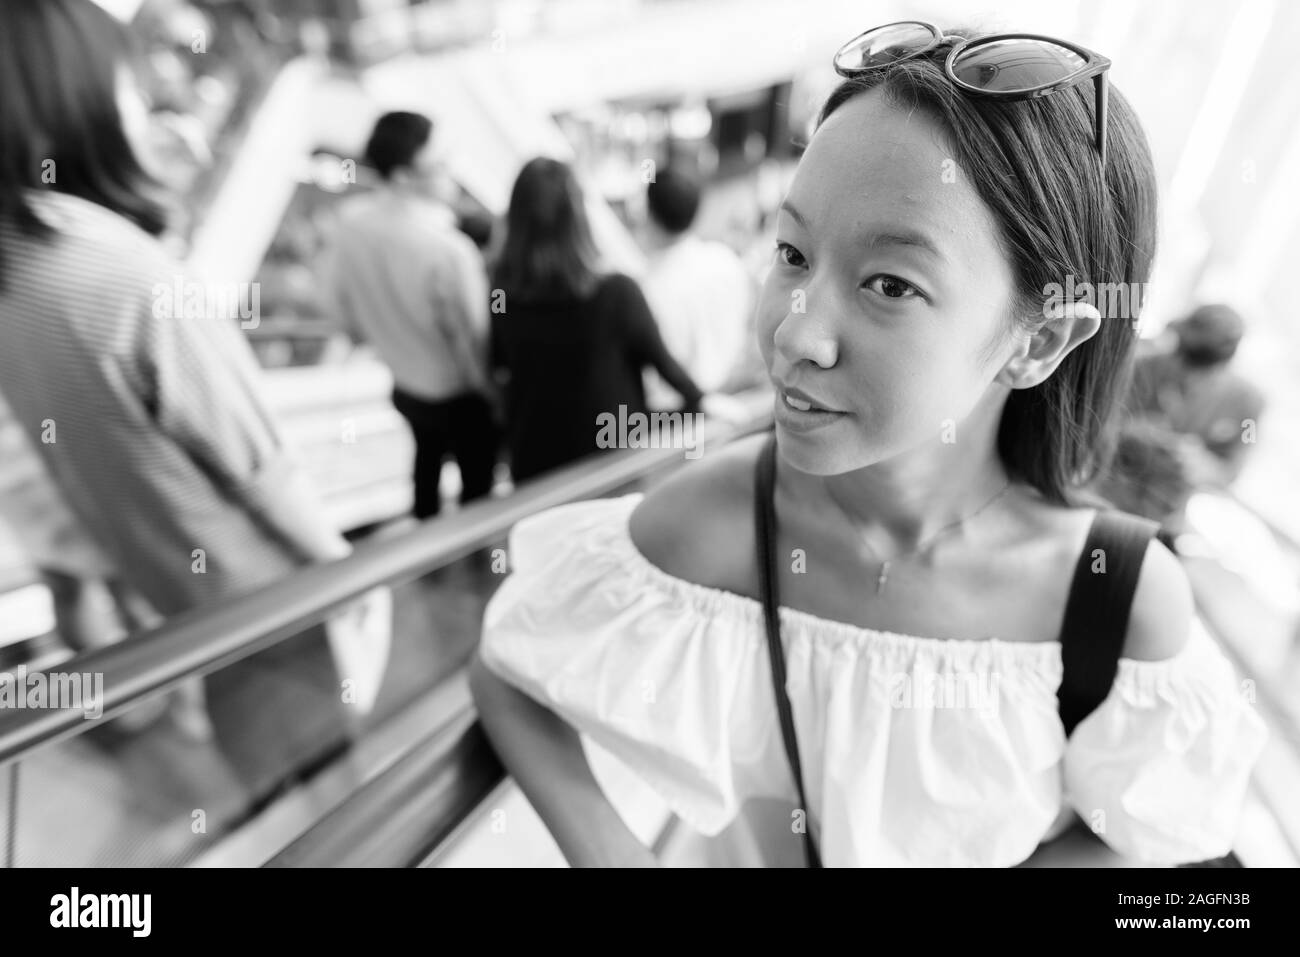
(918, 514)
(93, 607)
(1191, 420)
(404, 279)
(754, 237)
(571, 340)
(1194, 391)
(151, 424)
(700, 293)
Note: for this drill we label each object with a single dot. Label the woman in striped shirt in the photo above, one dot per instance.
(147, 415)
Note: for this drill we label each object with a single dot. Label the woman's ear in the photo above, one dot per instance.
(1037, 355)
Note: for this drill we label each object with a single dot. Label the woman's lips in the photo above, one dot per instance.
(797, 413)
(798, 399)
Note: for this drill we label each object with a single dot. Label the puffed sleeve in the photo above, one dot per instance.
(1160, 769)
(650, 667)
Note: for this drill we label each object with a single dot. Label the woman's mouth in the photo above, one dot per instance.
(802, 401)
(800, 411)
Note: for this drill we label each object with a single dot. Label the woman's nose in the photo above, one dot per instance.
(803, 335)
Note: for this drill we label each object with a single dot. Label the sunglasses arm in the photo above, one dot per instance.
(1103, 89)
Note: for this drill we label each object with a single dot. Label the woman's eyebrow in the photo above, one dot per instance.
(902, 238)
(879, 238)
(797, 216)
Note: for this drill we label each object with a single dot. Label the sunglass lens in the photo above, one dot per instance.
(883, 46)
(1015, 66)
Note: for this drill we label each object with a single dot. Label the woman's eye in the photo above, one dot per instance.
(891, 287)
(790, 256)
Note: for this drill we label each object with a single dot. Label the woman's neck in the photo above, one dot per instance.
(898, 505)
(404, 194)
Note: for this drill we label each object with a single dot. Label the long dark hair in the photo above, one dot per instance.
(1034, 164)
(548, 251)
(60, 128)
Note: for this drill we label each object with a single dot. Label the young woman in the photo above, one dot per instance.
(935, 420)
(570, 340)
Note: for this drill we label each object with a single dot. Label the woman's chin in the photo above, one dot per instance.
(823, 452)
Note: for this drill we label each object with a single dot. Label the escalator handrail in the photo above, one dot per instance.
(206, 640)
(398, 818)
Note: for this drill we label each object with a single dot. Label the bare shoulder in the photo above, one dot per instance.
(698, 524)
(1161, 617)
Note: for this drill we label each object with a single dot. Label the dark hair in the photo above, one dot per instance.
(1034, 164)
(548, 250)
(58, 105)
(478, 227)
(673, 199)
(1202, 356)
(1210, 335)
(395, 140)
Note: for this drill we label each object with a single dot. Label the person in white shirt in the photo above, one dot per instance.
(701, 294)
(406, 281)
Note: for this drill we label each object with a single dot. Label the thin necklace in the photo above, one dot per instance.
(883, 577)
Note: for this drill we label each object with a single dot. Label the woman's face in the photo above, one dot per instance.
(888, 301)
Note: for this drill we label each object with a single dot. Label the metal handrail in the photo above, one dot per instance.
(398, 818)
(207, 640)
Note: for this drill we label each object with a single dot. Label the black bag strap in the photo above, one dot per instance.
(1097, 611)
(765, 531)
(1096, 620)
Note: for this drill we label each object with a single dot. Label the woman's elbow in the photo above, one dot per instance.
(484, 685)
(499, 704)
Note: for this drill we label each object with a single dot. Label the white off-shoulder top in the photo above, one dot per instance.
(916, 751)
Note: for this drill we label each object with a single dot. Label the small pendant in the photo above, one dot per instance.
(882, 578)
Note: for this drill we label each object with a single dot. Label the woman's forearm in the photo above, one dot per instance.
(545, 757)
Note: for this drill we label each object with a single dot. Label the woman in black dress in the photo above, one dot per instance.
(569, 341)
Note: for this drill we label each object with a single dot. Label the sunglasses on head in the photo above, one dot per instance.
(1008, 66)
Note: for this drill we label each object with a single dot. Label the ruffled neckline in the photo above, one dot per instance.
(710, 601)
(805, 627)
